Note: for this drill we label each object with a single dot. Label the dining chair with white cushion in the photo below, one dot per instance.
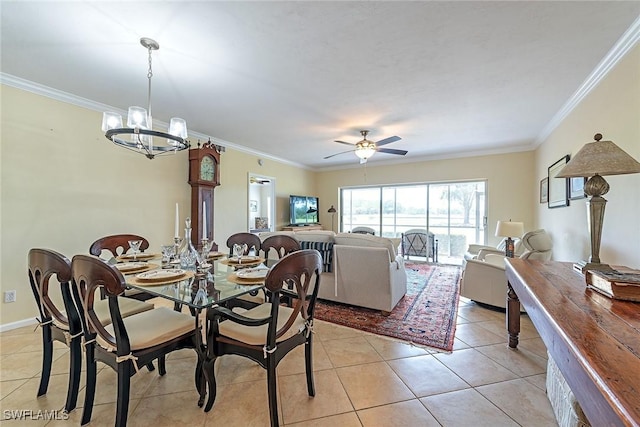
(268, 332)
(62, 323)
(127, 343)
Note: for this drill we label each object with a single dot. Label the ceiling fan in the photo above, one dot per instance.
(365, 148)
(254, 180)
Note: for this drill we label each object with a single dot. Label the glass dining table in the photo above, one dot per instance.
(201, 291)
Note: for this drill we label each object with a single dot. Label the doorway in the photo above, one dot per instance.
(261, 203)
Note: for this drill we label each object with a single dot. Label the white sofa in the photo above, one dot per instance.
(365, 270)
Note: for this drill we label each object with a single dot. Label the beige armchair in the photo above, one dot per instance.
(484, 280)
(480, 251)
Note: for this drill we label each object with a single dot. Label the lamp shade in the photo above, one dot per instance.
(509, 229)
(599, 158)
(365, 152)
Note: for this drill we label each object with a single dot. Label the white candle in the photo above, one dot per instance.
(204, 220)
(177, 234)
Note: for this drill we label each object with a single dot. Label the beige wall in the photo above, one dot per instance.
(612, 109)
(63, 185)
(509, 180)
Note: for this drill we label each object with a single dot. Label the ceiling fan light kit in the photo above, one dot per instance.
(365, 148)
(139, 135)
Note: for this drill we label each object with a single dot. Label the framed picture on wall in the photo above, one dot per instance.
(253, 206)
(558, 194)
(544, 190)
(576, 188)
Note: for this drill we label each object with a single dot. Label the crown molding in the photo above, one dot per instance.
(69, 98)
(624, 44)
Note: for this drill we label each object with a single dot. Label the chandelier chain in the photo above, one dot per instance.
(149, 75)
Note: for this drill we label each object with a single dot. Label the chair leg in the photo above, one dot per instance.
(90, 389)
(75, 366)
(124, 387)
(151, 368)
(272, 390)
(162, 368)
(47, 358)
(308, 364)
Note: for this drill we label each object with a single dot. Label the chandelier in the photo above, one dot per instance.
(139, 135)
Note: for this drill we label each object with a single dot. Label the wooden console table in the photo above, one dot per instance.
(594, 340)
(303, 228)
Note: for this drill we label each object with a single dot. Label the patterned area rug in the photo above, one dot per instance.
(425, 316)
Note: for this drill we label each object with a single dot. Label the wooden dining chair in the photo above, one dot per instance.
(63, 324)
(126, 343)
(281, 245)
(117, 245)
(59, 325)
(251, 240)
(269, 331)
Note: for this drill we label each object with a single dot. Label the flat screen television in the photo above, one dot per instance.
(303, 210)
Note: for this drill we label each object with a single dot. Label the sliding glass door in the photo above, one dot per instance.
(454, 212)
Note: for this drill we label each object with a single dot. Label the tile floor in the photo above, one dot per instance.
(361, 380)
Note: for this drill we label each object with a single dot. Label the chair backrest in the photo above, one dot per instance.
(538, 245)
(301, 270)
(90, 273)
(118, 244)
(363, 230)
(43, 265)
(418, 242)
(281, 244)
(239, 238)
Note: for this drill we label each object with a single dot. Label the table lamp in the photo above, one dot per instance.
(593, 161)
(509, 229)
(332, 211)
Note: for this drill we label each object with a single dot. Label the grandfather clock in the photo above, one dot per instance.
(204, 177)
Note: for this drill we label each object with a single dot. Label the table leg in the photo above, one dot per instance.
(513, 316)
(210, 358)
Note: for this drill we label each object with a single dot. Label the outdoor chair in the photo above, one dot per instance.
(419, 242)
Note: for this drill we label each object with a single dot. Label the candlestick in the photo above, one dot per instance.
(204, 221)
(176, 234)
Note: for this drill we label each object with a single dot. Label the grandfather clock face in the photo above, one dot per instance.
(207, 169)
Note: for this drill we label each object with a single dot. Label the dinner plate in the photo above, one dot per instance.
(128, 267)
(252, 273)
(244, 258)
(161, 275)
(141, 256)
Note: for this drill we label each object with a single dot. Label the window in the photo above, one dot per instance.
(454, 212)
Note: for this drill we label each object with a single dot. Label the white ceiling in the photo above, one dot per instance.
(286, 79)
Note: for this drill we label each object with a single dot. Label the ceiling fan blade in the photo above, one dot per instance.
(392, 151)
(337, 154)
(342, 142)
(388, 140)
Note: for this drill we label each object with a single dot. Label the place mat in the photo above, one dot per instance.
(233, 277)
(140, 256)
(135, 267)
(138, 282)
(246, 260)
(214, 255)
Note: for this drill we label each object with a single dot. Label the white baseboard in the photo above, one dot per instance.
(18, 324)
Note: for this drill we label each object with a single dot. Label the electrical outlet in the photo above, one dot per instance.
(10, 296)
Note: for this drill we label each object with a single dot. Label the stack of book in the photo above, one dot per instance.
(623, 285)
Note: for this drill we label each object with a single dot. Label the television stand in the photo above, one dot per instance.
(310, 227)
